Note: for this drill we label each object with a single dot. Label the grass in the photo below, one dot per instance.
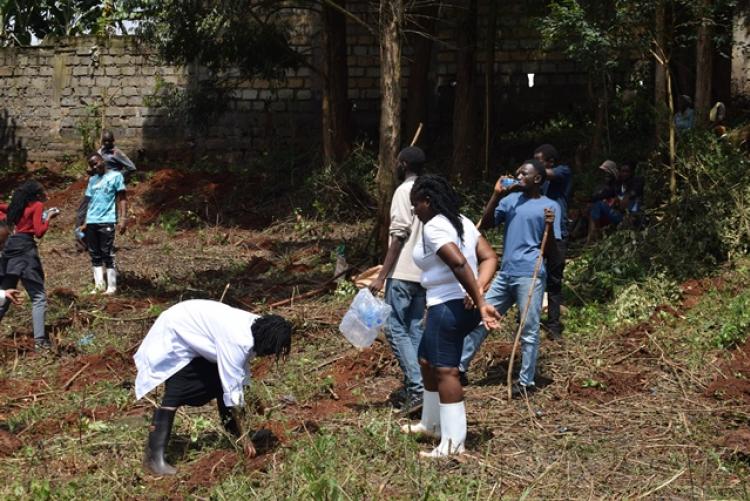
(624, 415)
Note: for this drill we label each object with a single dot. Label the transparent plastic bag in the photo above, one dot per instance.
(364, 319)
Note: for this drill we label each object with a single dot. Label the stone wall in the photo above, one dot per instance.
(52, 94)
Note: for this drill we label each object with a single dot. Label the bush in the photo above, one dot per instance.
(707, 224)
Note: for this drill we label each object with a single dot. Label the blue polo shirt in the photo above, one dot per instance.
(524, 228)
(102, 192)
(558, 189)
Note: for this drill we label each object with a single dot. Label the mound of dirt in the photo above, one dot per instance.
(609, 384)
(9, 443)
(111, 365)
(732, 382)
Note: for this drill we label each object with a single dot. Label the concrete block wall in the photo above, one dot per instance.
(48, 93)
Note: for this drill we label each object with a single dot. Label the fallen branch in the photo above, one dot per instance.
(74, 376)
(660, 487)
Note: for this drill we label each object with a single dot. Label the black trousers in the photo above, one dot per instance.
(196, 384)
(555, 272)
(100, 239)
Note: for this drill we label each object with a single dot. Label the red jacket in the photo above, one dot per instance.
(31, 220)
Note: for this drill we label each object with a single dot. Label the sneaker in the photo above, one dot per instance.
(522, 390)
(412, 404)
(463, 378)
(397, 398)
(42, 344)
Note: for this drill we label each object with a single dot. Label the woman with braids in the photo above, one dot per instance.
(456, 262)
(20, 259)
(201, 349)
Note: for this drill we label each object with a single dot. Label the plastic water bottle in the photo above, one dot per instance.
(341, 264)
(507, 182)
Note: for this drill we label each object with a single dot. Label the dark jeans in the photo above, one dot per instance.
(555, 272)
(100, 239)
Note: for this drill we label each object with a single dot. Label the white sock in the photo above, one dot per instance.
(430, 423)
(452, 430)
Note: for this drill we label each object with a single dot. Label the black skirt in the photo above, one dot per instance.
(196, 384)
(20, 258)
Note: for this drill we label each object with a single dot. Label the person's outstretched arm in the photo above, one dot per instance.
(456, 261)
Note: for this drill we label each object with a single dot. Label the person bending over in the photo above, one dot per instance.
(455, 260)
(20, 257)
(201, 349)
(525, 212)
(403, 292)
(107, 208)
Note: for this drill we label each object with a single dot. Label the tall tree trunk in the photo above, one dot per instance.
(489, 88)
(660, 75)
(418, 90)
(704, 55)
(335, 105)
(465, 140)
(391, 26)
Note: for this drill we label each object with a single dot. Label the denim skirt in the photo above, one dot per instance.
(447, 325)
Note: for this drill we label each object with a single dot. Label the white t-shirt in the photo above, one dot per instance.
(437, 278)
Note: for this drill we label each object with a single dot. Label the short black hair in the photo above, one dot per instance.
(272, 335)
(548, 152)
(413, 157)
(538, 167)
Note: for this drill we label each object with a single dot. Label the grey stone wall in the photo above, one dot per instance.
(52, 94)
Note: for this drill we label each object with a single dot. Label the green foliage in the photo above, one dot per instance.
(736, 323)
(89, 128)
(20, 20)
(252, 37)
(707, 224)
(344, 190)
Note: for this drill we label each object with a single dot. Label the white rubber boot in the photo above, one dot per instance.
(98, 279)
(111, 281)
(452, 429)
(429, 425)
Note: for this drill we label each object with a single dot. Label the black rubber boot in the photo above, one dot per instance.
(158, 438)
(227, 420)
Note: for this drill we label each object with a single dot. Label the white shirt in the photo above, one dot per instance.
(2, 297)
(437, 278)
(197, 328)
(405, 225)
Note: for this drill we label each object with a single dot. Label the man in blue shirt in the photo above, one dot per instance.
(557, 188)
(525, 212)
(107, 207)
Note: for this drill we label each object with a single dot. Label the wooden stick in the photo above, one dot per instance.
(416, 135)
(522, 323)
(74, 376)
(226, 288)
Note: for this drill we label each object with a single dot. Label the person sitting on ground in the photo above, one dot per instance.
(20, 258)
(404, 292)
(604, 210)
(684, 117)
(455, 261)
(114, 157)
(105, 192)
(201, 350)
(526, 213)
(630, 193)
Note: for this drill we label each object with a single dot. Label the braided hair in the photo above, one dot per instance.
(443, 199)
(29, 191)
(272, 335)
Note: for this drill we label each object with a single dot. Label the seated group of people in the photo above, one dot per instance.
(616, 202)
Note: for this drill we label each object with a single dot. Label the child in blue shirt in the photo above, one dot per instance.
(107, 207)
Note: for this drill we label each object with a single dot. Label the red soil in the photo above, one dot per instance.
(733, 380)
(110, 365)
(9, 443)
